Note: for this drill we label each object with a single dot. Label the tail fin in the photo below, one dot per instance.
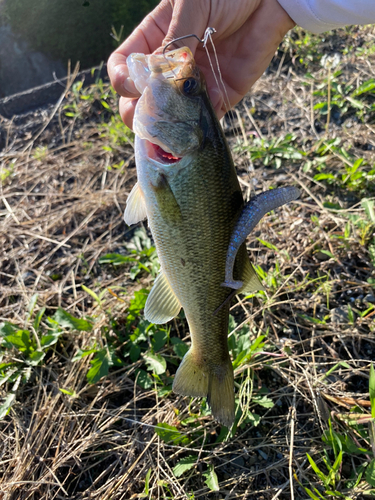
(215, 383)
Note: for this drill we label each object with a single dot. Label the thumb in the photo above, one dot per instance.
(188, 18)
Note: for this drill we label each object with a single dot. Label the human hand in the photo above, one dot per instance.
(248, 33)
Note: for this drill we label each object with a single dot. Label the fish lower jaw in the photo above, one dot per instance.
(157, 153)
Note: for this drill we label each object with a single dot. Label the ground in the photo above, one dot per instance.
(85, 382)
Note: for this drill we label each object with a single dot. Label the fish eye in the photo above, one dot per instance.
(190, 86)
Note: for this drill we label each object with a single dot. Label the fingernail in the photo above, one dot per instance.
(130, 88)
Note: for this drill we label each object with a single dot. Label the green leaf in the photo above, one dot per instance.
(38, 318)
(369, 207)
(159, 339)
(66, 320)
(327, 252)
(7, 328)
(370, 473)
(134, 352)
(179, 347)
(91, 293)
(170, 434)
(82, 353)
(116, 259)
(268, 245)
(105, 105)
(320, 105)
(100, 366)
(211, 479)
(367, 86)
(31, 306)
(137, 303)
(184, 465)
(143, 379)
(264, 401)
(332, 473)
(316, 469)
(372, 390)
(48, 340)
(356, 103)
(68, 392)
(155, 362)
(322, 177)
(20, 340)
(36, 357)
(5, 407)
(311, 494)
(146, 490)
(9, 374)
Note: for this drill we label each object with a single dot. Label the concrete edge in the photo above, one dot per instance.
(49, 93)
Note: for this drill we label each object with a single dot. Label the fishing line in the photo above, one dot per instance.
(228, 108)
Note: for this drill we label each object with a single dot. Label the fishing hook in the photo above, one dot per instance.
(209, 31)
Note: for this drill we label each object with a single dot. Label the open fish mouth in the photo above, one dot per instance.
(156, 152)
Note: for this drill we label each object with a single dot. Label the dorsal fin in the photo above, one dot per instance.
(135, 210)
(162, 305)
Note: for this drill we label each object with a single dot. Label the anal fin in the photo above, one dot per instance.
(135, 210)
(248, 275)
(162, 305)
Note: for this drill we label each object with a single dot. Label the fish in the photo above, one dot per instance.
(188, 190)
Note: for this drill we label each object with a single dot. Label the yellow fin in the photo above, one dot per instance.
(251, 282)
(168, 207)
(135, 210)
(248, 275)
(162, 305)
(217, 384)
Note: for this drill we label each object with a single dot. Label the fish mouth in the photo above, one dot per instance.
(156, 152)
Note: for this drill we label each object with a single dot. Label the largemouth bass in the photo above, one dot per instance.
(188, 190)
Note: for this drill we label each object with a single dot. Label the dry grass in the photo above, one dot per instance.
(61, 209)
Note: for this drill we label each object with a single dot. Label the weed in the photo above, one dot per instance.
(27, 348)
(273, 151)
(347, 435)
(141, 252)
(6, 172)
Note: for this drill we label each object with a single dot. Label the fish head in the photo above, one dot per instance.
(169, 113)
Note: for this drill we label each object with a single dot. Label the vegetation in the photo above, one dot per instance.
(82, 31)
(86, 407)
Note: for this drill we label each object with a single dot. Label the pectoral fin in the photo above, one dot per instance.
(162, 305)
(135, 210)
(168, 207)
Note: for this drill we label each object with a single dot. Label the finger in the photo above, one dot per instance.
(188, 18)
(127, 109)
(144, 39)
(256, 43)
